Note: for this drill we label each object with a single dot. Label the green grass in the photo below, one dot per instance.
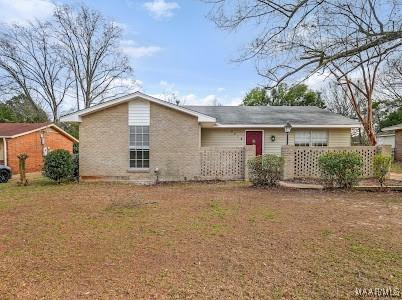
(217, 210)
(269, 215)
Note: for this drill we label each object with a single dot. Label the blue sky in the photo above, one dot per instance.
(173, 47)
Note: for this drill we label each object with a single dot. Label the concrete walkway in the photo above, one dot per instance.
(306, 186)
(395, 176)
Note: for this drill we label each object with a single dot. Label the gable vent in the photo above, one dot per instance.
(138, 113)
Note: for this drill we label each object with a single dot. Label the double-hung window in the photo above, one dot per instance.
(319, 138)
(311, 138)
(139, 147)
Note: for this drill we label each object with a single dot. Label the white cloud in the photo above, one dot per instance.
(167, 85)
(318, 80)
(209, 100)
(131, 49)
(160, 9)
(122, 26)
(130, 85)
(170, 92)
(193, 99)
(235, 101)
(22, 11)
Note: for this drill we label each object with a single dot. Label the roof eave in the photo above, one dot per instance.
(218, 125)
(77, 116)
(41, 128)
(395, 127)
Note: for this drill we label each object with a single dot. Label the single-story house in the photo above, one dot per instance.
(386, 138)
(34, 139)
(397, 129)
(139, 137)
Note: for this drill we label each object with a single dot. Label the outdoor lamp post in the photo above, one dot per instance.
(288, 128)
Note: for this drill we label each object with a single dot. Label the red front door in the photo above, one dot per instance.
(255, 138)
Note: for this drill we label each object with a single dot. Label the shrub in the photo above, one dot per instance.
(341, 169)
(265, 170)
(58, 165)
(381, 165)
(76, 167)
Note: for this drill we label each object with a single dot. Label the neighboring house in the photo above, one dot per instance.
(139, 137)
(386, 138)
(34, 139)
(398, 140)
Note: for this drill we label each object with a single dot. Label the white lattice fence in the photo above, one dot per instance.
(222, 163)
(306, 159)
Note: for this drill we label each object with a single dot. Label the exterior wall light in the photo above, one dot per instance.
(288, 128)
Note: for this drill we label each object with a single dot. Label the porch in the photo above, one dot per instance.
(230, 163)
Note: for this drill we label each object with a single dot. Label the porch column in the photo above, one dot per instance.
(288, 154)
(249, 154)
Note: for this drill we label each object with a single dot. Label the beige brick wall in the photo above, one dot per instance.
(398, 145)
(104, 142)
(174, 144)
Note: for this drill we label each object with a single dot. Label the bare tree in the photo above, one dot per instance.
(304, 37)
(357, 76)
(390, 84)
(307, 35)
(337, 101)
(91, 47)
(31, 65)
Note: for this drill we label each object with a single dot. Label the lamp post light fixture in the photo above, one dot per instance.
(288, 128)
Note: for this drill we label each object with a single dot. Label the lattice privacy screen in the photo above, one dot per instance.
(222, 163)
(306, 159)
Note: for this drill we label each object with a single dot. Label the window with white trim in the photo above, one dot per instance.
(319, 138)
(311, 138)
(139, 147)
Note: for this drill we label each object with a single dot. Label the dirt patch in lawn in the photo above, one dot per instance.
(196, 241)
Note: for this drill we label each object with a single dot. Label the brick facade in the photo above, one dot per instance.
(398, 145)
(31, 144)
(174, 145)
(104, 146)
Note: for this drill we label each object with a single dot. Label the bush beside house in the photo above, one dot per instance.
(382, 165)
(58, 165)
(265, 170)
(340, 169)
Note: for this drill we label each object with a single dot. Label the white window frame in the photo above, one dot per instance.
(309, 143)
(139, 148)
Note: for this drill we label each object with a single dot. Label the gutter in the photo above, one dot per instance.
(281, 126)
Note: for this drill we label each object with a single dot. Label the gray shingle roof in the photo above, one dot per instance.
(273, 115)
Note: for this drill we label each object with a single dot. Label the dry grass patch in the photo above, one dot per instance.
(209, 241)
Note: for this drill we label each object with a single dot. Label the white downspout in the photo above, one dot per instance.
(5, 150)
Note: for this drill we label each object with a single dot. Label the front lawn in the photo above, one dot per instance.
(215, 241)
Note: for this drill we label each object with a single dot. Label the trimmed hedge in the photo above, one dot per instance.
(76, 167)
(58, 165)
(341, 169)
(265, 170)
